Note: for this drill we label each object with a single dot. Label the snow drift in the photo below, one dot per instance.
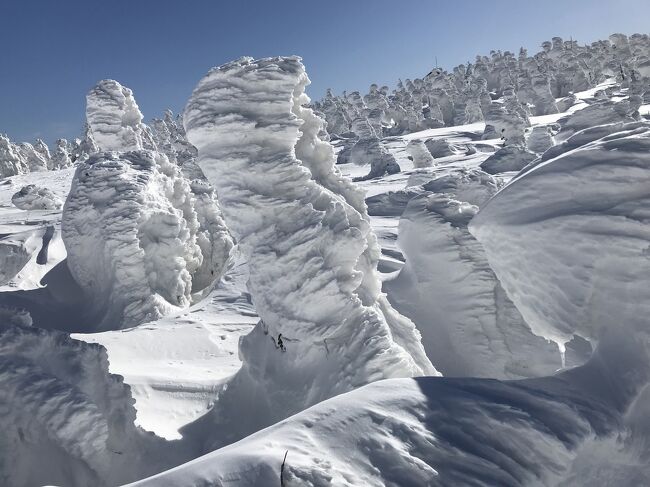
(569, 239)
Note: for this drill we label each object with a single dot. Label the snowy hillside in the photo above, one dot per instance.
(442, 285)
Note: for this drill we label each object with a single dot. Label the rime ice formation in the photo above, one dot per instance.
(569, 238)
(369, 150)
(34, 158)
(169, 136)
(464, 94)
(114, 119)
(134, 240)
(140, 238)
(32, 197)
(11, 163)
(540, 138)
(420, 153)
(311, 252)
(469, 327)
(65, 420)
(61, 156)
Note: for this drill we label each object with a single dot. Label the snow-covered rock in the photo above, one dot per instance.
(32, 197)
(11, 162)
(311, 252)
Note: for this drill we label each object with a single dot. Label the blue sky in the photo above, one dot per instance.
(53, 51)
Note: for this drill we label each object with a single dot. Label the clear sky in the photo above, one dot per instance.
(53, 51)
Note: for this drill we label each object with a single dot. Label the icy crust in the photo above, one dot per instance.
(569, 238)
(469, 326)
(32, 197)
(114, 119)
(304, 230)
(139, 240)
(442, 432)
(65, 420)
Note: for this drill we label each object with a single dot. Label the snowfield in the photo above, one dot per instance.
(446, 284)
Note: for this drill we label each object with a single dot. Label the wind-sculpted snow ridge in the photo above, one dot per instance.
(442, 431)
(569, 237)
(65, 420)
(134, 240)
(325, 328)
(469, 326)
(114, 119)
(32, 197)
(477, 91)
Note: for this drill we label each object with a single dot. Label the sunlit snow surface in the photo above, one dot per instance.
(399, 431)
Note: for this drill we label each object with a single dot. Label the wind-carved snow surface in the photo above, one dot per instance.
(445, 432)
(469, 326)
(140, 238)
(305, 232)
(569, 239)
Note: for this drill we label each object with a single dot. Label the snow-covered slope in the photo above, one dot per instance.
(441, 432)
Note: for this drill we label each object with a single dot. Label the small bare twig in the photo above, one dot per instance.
(282, 469)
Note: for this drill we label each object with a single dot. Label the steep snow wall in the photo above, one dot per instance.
(570, 238)
(305, 231)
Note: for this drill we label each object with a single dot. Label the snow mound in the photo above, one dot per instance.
(469, 327)
(305, 232)
(508, 158)
(32, 197)
(569, 239)
(134, 239)
(441, 432)
(114, 119)
(602, 112)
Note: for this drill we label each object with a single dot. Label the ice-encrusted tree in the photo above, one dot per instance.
(305, 231)
(141, 238)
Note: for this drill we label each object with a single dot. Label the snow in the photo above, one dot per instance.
(441, 431)
(528, 290)
(569, 238)
(311, 252)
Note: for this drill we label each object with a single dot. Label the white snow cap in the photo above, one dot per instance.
(305, 231)
(570, 238)
(114, 119)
